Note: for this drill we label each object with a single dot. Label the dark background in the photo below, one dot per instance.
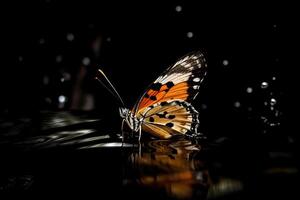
(52, 50)
(55, 47)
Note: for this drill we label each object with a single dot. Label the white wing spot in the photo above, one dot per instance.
(196, 87)
(196, 79)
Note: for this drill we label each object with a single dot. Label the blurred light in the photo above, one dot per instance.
(290, 139)
(70, 37)
(274, 25)
(264, 119)
(225, 62)
(61, 99)
(86, 61)
(105, 145)
(48, 100)
(199, 176)
(237, 104)
(45, 80)
(178, 8)
(91, 26)
(273, 101)
(250, 109)
(42, 41)
(108, 39)
(190, 34)
(66, 76)
(203, 106)
(58, 58)
(273, 78)
(264, 85)
(20, 58)
(249, 90)
(225, 187)
(274, 124)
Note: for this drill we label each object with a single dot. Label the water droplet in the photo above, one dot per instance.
(58, 58)
(42, 41)
(91, 26)
(225, 62)
(178, 8)
(290, 139)
(277, 113)
(86, 61)
(45, 80)
(274, 124)
(20, 58)
(70, 37)
(199, 176)
(273, 101)
(237, 104)
(61, 99)
(264, 85)
(203, 106)
(48, 100)
(190, 34)
(264, 119)
(249, 90)
(66, 76)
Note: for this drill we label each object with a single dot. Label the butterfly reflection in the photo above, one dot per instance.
(169, 167)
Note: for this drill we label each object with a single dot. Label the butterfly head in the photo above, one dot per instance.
(123, 112)
(130, 119)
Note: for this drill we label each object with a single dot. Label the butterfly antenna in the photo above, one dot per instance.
(110, 87)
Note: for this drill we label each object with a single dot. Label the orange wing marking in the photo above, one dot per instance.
(164, 93)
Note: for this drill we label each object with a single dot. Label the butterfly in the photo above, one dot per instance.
(165, 108)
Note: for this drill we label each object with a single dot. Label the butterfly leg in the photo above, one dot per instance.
(140, 146)
(122, 130)
(140, 133)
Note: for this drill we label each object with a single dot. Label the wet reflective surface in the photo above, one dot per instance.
(66, 155)
(169, 167)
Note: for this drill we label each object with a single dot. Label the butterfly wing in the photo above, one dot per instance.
(168, 118)
(180, 81)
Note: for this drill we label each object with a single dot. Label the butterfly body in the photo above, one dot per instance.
(132, 121)
(165, 108)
